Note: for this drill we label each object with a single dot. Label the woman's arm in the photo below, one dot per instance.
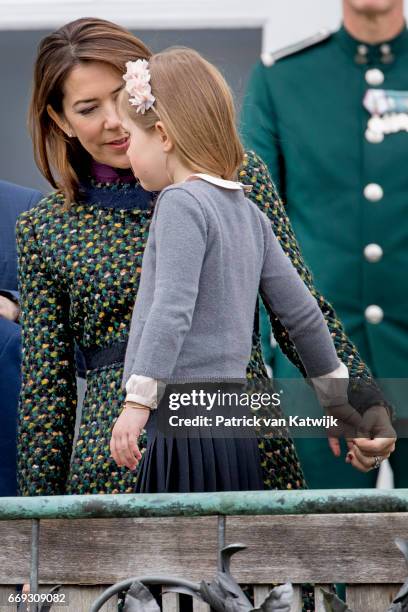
(363, 392)
(48, 393)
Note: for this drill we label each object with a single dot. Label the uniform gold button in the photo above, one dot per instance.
(374, 77)
(373, 192)
(373, 252)
(374, 314)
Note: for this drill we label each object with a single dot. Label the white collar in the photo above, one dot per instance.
(216, 180)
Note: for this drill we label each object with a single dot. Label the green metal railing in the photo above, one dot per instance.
(244, 503)
(325, 501)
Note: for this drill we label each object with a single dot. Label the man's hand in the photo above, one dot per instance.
(9, 309)
(125, 433)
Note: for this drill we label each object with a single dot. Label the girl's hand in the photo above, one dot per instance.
(125, 434)
(349, 423)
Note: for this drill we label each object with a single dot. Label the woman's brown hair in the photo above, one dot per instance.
(197, 109)
(85, 40)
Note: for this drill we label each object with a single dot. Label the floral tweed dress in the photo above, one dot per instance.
(79, 275)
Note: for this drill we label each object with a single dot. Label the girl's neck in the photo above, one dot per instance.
(181, 175)
(180, 172)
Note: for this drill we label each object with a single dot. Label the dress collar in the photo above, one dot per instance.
(219, 182)
(119, 196)
(103, 173)
(114, 188)
(365, 54)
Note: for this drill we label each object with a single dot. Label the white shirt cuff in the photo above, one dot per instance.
(143, 390)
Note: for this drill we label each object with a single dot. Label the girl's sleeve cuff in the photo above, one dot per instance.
(142, 390)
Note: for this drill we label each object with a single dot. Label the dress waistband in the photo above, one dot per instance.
(93, 358)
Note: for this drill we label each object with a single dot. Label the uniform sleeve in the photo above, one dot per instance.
(181, 237)
(363, 391)
(48, 393)
(259, 125)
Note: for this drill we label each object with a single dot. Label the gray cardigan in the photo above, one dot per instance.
(210, 251)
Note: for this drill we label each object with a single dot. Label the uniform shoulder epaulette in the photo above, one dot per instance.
(268, 59)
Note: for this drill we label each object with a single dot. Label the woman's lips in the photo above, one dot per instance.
(120, 144)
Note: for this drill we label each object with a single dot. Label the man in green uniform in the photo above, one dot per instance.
(330, 118)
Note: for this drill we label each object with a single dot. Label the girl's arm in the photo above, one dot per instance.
(363, 391)
(48, 392)
(288, 297)
(286, 294)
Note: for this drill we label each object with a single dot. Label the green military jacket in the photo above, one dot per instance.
(330, 119)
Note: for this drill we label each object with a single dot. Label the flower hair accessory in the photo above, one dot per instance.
(137, 79)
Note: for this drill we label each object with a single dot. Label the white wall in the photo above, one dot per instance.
(291, 20)
(284, 21)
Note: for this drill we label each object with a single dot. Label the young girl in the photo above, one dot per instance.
(209, 252)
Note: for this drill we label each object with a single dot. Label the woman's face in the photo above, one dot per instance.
(90, 114)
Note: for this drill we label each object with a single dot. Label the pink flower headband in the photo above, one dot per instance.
(137, 79)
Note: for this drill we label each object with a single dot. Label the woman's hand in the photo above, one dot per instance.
(375, 442)
(125, 434)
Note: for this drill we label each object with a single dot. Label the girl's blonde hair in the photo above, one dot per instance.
(197, 109)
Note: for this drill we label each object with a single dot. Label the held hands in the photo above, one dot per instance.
(376, 443)
(125, 434)
(370, 437)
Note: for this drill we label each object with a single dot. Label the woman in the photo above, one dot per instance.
(80, 253)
